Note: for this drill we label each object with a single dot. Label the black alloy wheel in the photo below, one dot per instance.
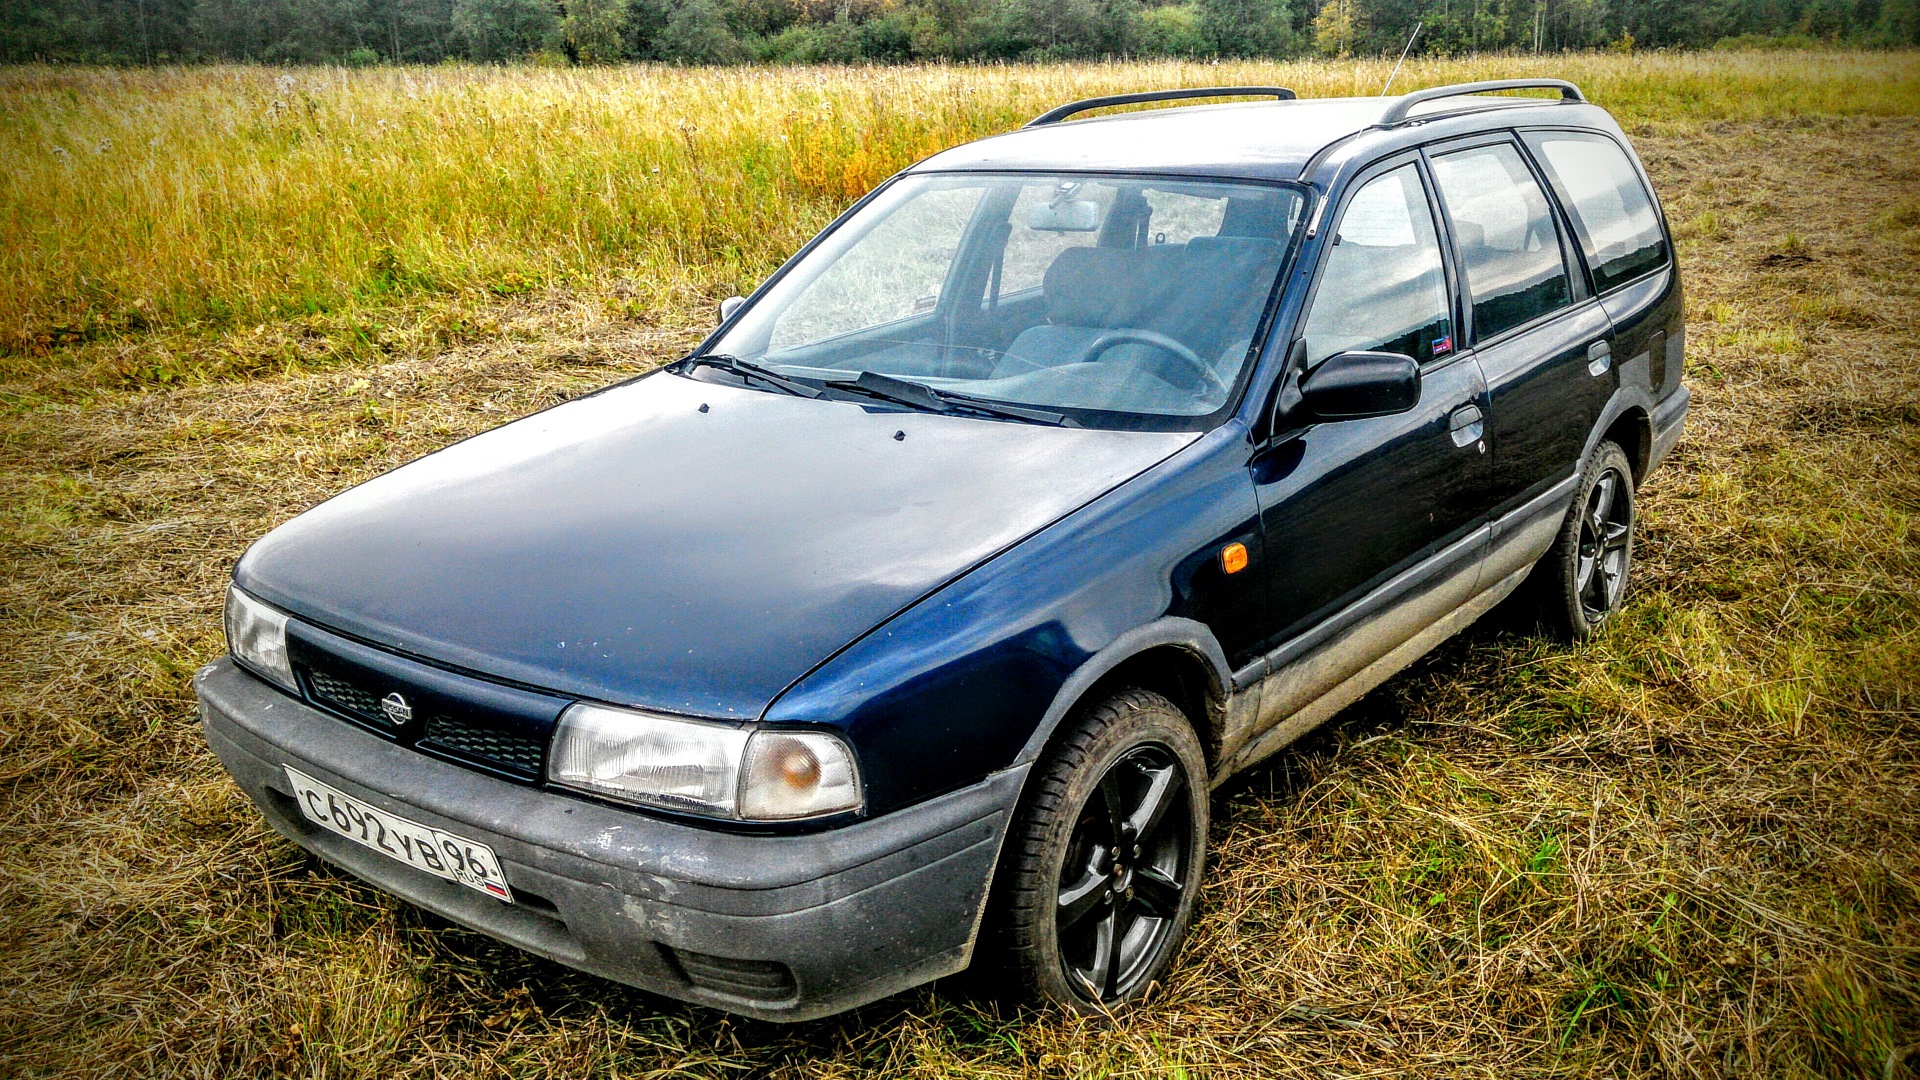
(1122, 883)
(1102, 865)
(1606, 534)
(1581, 580)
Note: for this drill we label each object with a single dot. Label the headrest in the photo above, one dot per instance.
(1261, 216)
(1239, 250)
(1113, 287)
(1090, 286)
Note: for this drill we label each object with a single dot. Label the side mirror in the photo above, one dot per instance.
(730, 305)
(1356, 385)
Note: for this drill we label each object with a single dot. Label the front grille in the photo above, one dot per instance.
(460, 718)
(758, 980)
(344, 695)
(515, 753)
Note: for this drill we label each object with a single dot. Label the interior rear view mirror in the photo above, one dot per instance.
(1356, 385)
(1078, 215)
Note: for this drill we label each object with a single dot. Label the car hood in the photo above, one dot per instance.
(678, 544)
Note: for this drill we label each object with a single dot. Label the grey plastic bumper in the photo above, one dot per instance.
(1669, 419)
(848, 915)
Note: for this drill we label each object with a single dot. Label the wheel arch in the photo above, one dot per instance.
(1628, 422)
(1178, 658)
(1632, 429)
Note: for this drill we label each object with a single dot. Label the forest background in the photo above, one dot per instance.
(365, 32)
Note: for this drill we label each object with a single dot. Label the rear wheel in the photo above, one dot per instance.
(1583, 577)
(1103, 865)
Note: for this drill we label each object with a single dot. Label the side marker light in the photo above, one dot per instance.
(1233, 558)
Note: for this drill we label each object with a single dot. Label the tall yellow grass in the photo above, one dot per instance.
(219, 198)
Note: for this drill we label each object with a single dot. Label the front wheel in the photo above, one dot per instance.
(1584, 575)
(1103, 865)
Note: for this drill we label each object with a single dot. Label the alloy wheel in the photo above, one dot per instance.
(1606, 537)
(1123, 879)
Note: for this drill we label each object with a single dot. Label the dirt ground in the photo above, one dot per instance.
(1691, 847)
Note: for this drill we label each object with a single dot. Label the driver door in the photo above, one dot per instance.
(1347, 507)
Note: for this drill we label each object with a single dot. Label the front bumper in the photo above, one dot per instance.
(780, 927)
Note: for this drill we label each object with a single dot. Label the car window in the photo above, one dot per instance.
(1179, 216)
(896, 274)
(1384, 287)
(1174, 217)
(1516, 270)
(1031, 250)
(1612, 213)
(1134, 301)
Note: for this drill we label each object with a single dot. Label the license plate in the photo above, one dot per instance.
(442, 854)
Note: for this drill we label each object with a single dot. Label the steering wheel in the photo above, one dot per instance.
(1200, 369)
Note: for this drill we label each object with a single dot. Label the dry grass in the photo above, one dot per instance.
(1690, 848)
(360, 214)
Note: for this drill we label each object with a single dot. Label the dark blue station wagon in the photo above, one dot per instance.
(1068, 473)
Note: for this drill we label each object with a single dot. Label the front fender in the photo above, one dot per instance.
(974, 677)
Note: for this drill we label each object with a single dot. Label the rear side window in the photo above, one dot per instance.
(1611, 211)
(1384, 287)
(1516, 270)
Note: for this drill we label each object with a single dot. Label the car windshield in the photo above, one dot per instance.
(1108, 300)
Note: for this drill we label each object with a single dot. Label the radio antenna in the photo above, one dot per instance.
(1417, 24)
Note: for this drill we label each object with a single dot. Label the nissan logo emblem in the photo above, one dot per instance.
(396, 708)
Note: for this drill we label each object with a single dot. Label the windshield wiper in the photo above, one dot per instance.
(920, 396)
(748, 371)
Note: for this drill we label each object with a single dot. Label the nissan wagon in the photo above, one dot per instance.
(908, 621)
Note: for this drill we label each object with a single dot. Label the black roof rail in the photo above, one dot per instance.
(1054, 116)
(1397, 112)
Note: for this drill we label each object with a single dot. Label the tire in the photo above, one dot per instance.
(1078, 927)
(1582, 579)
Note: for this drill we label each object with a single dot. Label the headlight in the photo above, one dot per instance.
(703, 768)
(257, 637)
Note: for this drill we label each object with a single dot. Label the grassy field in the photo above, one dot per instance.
(363, 214)
(1690, 847)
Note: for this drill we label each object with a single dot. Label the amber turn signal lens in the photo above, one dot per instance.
(1233, 558)
(798, 767)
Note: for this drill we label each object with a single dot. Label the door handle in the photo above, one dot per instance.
(1467, 424)
(1599, 358)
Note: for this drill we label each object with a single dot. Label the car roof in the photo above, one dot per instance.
(1275, 140)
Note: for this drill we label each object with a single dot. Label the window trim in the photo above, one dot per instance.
(1459, 309)
(1566, 202)
(1579, 287)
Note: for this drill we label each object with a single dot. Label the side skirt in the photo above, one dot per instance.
(1357, 685)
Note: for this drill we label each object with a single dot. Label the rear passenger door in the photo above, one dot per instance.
(1541, 338)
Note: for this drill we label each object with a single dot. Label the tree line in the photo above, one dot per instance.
(812, 31)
